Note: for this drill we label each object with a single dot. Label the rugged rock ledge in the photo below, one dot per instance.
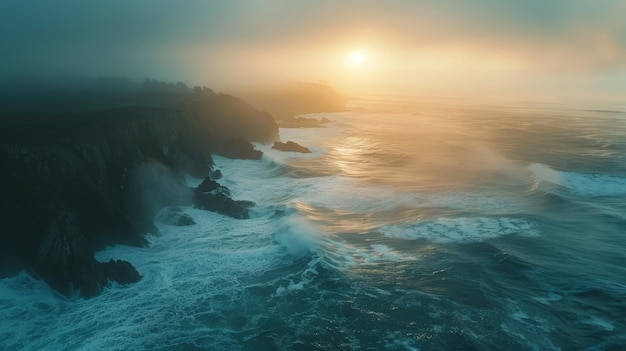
(291, 146)
(75, 180)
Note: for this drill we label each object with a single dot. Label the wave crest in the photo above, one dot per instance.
(461, 230)
(580, 184)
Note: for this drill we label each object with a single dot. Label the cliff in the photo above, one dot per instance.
(78, 176)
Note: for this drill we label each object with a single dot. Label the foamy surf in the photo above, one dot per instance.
(461, 230)
(469, 257)
(581, 184)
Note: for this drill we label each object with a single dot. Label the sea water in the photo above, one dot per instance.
(412, 225)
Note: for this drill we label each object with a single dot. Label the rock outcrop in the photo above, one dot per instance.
(290, 146)
(239, 149)
(212, 196)
(73, 181)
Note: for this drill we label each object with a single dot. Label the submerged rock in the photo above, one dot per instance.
(290, 146)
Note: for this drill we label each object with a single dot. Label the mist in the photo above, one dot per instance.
(556, 48)
(153, 186)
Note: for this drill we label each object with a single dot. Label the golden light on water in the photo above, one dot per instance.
(347, 155)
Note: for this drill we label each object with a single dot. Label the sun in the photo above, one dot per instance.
(358, 57)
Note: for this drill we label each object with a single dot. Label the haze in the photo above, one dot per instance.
(565, 48)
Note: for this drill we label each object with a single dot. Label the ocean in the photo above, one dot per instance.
(414, 224)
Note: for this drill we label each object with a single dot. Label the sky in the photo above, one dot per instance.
(555, 47)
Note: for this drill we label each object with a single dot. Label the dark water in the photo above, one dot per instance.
(412, 226)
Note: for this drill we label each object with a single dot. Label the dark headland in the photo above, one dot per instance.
(88, 163)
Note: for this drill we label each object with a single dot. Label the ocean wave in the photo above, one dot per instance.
(298, 235)
(579, 184)
(461, 230)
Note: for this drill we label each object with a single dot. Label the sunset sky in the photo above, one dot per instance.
(557, 47)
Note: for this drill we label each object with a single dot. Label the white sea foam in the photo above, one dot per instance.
(386, 253)
(298, 236)
(248, 181)
(193, 279)
(462, 229)
(342, 193)
(258, 181)
(300, 280)
(346, 256)
(490, 203)
(208, 284)
(545, 173)
(581, 184)
(594, 184)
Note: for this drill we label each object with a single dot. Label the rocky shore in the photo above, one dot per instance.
(75, 180)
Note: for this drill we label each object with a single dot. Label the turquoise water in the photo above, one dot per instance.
(413, 225)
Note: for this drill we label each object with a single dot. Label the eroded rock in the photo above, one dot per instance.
(290, 146)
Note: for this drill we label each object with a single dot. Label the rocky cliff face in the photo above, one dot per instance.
(75, 182)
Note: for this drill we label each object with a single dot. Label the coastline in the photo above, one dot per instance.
(75, 182)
